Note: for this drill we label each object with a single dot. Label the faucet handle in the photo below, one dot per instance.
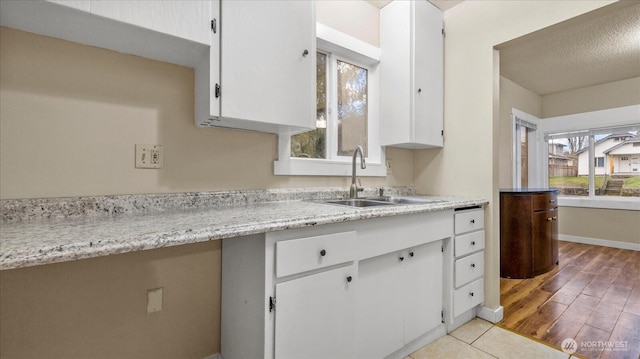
(359, 187)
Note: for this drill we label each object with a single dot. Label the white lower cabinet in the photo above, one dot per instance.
(314, 316)
(464, 271)
(361, 289)
(399, 299)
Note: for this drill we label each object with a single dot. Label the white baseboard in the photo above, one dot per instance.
(214, 356)
(600, 242)
(491, 315)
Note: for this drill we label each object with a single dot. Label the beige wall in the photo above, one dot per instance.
(469, 162)
(340, 15)
(70, 116)
(595, 223)
(97, 308)
(512, 95)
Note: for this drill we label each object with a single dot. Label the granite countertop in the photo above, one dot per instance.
(42, 240)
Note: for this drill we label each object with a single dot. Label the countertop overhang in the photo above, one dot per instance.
(44, 241)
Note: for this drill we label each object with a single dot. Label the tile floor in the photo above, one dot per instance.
(479, 339)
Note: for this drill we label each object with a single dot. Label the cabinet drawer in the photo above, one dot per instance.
(304, 254)
(468, 297)
(544, 201)
(469, 268)
(468, 243)
(469, 221)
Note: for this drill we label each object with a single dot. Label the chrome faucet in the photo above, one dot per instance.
(353, 191)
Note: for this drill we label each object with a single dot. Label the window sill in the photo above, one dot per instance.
(626, 203)
(311, 167)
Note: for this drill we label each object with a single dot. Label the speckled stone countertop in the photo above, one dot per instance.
(54, 235)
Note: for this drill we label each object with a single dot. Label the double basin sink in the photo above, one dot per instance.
(379, 201)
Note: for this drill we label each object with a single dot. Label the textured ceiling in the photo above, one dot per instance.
(594, 48)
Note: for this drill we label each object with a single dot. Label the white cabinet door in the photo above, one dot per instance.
(411, 74)
(315, 315)
(268, 65)
(423, 290)
(187, 19)
(82, 5)
(428, 86)
(380, 311)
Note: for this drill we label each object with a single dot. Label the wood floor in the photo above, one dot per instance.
(593, 296)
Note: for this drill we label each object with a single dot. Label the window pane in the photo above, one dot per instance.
(352, 108)
(564, 169)
(313, 144)
(617, 164)
(524, 157)
(616, 173)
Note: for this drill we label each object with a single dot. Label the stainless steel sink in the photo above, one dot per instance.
(379, 201)
(403, 200)
(359, 202)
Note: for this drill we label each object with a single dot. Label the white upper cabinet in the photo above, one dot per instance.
(178, 32)
(186, 19)
(82, 5)
(411, 74)
(267, 68)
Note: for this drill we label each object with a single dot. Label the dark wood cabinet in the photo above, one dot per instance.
(528, 232)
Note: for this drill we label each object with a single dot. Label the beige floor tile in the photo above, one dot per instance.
(504, 344)
(449, 347)
(472, 330)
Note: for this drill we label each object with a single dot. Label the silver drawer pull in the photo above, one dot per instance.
(323, 253)
(549, 219)
(473, 265)
(473, 221)
(471, 294)
(555, 218)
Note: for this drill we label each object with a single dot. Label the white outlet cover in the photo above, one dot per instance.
(154, 300)
(149, 156)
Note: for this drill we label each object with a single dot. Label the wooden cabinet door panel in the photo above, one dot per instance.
(541, 244)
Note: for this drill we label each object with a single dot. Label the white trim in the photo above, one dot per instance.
(603, 202)
(316, 167)
(491, 315)
(600, 242)
(214, 356)
(336, 41)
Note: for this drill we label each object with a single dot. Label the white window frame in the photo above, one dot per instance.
(521, 119)
(589, 124)
(340, 46)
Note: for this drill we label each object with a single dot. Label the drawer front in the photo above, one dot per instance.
(469, 268)
(468, 243)
(544, 201)
(304, 254)
(469, 221)
(468, 297)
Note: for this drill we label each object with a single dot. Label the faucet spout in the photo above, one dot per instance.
(353, 191)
